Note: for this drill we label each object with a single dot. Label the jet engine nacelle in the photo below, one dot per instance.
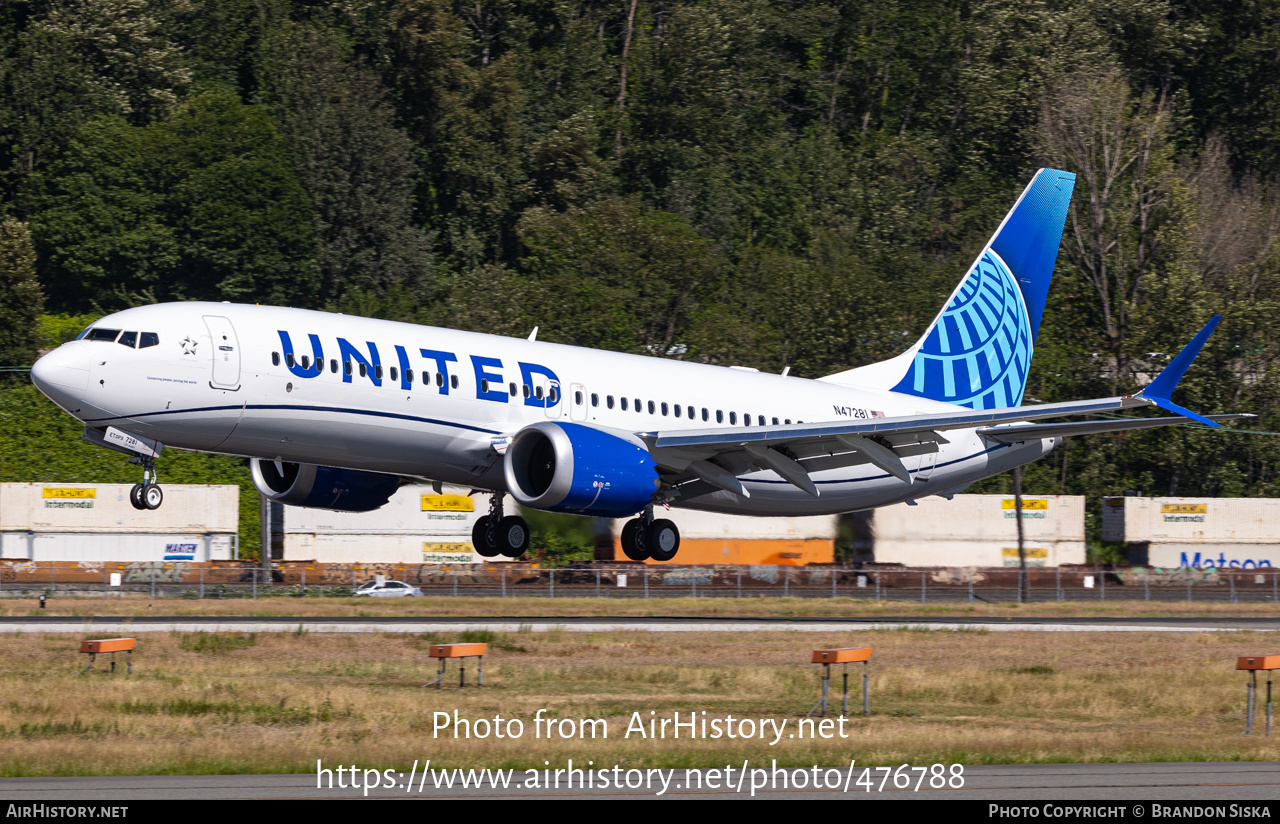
(569, 467)
(323, 487)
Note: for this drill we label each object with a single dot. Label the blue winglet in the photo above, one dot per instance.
(1160, 389)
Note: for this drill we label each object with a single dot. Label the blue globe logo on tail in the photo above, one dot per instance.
(978, 352)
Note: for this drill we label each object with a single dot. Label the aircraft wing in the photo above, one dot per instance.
(703, 460)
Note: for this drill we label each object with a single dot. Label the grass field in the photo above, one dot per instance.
(445, 606)
(225, 703)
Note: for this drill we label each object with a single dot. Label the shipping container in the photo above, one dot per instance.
(980, 530)
(44, 522)
(1223, 533)
(417, 526)
(714, 538)
(105, 508)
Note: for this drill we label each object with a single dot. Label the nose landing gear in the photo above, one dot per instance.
(148, 494)
(495, 535)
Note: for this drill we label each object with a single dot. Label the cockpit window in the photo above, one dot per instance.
(103, 334)
(84, 332)
(149, 339)
(129, 339)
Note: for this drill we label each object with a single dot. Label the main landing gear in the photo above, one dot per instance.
(148, 494)
(644, 538)
(495, 535)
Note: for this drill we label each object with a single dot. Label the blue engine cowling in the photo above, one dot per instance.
(569, 467)
(323, 487)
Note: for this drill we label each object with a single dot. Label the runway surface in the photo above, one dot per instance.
(1244, 783)
(158, 623)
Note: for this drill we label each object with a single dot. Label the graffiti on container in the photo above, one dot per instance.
(144, 572)
(957, 575)
(764, 572)
(688, 577)
(90, 566)
(1177, 575)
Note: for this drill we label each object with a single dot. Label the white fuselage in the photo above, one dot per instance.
(220, 380)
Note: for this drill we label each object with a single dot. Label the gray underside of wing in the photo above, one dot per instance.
(1015, 433)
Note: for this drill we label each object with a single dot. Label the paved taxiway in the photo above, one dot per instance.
(1219, 783)
(158, 623)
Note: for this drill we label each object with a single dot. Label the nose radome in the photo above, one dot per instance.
(63, 374)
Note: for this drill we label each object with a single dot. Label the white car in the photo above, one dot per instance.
(389, 589)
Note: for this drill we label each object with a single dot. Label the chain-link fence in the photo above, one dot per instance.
(934, 585)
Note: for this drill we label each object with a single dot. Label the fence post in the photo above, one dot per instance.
(153, 583)
(553, 582)
(1146, 585)
(645, 573)
(1102, 593)
(740, 583)
(834, 573)
(1188, 585)
(877, 586)
(455, 583)
(255, 582)
(597, 582)
(786, 581)
(971, 586)
(1232, 580)
(504, 583)
(923, 584)
(693, 582)
(201, 583)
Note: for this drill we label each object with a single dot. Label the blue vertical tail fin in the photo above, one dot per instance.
(977, 352)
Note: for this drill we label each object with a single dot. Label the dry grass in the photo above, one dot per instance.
(277, 702)
(442, 606)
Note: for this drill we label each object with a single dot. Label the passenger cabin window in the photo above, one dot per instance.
(364, 371)
(129, 339)
(638, 409)
(553, 395)
(149, 339)
(705, 416)
(608, 401)
(577, 398)
(393, 372)
(595, 399)
(624, 404)
(651, 407)
(288, 359)
(275, 358)
(346, 367)
(333, 365)
(537, 392)
(719, 416)
(484, 386)
(527, 391)
(103, 334)
(511, 390)
(453, 381)
(676, 409)
(733, 418)
(408, 376)
(664, 410)
(775, 421)
(439, 379)
(377, 371)
(306, 362)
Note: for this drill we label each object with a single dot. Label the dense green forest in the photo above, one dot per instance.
(756, 182)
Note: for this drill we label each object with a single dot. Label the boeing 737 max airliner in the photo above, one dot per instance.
(333, 410)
